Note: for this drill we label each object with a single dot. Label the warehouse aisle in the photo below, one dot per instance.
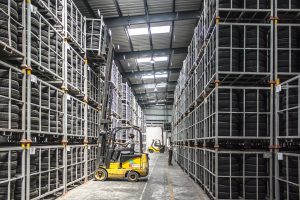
(164, 182)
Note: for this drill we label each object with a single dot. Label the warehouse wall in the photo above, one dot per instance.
(156, 114)
(153, 133)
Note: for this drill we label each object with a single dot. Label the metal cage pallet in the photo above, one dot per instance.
(53, 98)
(226, 174)
(246, 48)
(287, 175)
(48, 174)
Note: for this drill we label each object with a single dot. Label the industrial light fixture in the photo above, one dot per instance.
(160, 29)
(149, 76)
(144, 31)
(161, 75)
(155, 89)
(161, 85)
(154, 59)
(157, 75)
(137, 31)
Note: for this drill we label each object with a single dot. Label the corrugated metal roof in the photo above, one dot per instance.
(119, 38)
(145, 66)
(177, 60)
(129, 65)
(173, 76)
(186, 5)
(161, 41)
(159, 6)
(132, 7)
(107, 7)
(83, 9)
(140, 42)
(183, 32)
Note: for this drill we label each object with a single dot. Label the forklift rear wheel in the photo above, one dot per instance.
(133, 176)
(101, 174)
(150, 151)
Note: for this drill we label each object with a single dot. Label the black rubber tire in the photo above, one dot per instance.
(252, 4)
(13, 109)
(283, 4)
(4, 91)
(4, 165)
(4, 73)
(227, 4)
(133, 176)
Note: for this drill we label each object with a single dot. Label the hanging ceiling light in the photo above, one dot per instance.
(152, 61)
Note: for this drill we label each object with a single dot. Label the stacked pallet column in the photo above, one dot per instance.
(13, 100)
(116, 99)
(52, 89)
(287, 137)
(223, 110)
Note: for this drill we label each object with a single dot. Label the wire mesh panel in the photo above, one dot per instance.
(228, 174)
(287, 11)
(93, 121)
(46, 47)
(75, 24)
(288, 176)
(51, 10)
(11, 22)
(75, 114)
(46, 108)
(238, 112)
(91, 160)
(45, 172)
(75, 71)
(12, 173)
(94, 88)
(11, 98)
(75, 164)
(126, 95)
(288, 110)
(287, 50)
(96, 36)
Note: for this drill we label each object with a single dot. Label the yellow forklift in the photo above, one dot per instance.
(156, 147)
(128, 164)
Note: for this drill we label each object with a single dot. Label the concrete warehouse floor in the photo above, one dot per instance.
(164, 182)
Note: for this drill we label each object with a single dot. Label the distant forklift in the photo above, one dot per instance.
(156, 147)
(121, 164)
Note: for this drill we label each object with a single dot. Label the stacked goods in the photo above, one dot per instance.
(223, 101)
(54, 99)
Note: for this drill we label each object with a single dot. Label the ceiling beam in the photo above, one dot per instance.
(149, 53)
(141, 73)
(152, 18)
(118, 8)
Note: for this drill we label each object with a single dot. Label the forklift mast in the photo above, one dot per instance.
(102, 144)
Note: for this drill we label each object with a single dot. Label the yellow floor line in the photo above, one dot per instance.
(170, 186)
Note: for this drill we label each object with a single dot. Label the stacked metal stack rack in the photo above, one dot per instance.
(223, 110)
(116, 99)
(130, 112)
(287, 137)
(50, 99)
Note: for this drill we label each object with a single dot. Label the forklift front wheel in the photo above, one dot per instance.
(100, 174)
(133, 176)
(150, 151)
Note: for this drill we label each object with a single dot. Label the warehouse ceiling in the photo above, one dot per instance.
(151, 39)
